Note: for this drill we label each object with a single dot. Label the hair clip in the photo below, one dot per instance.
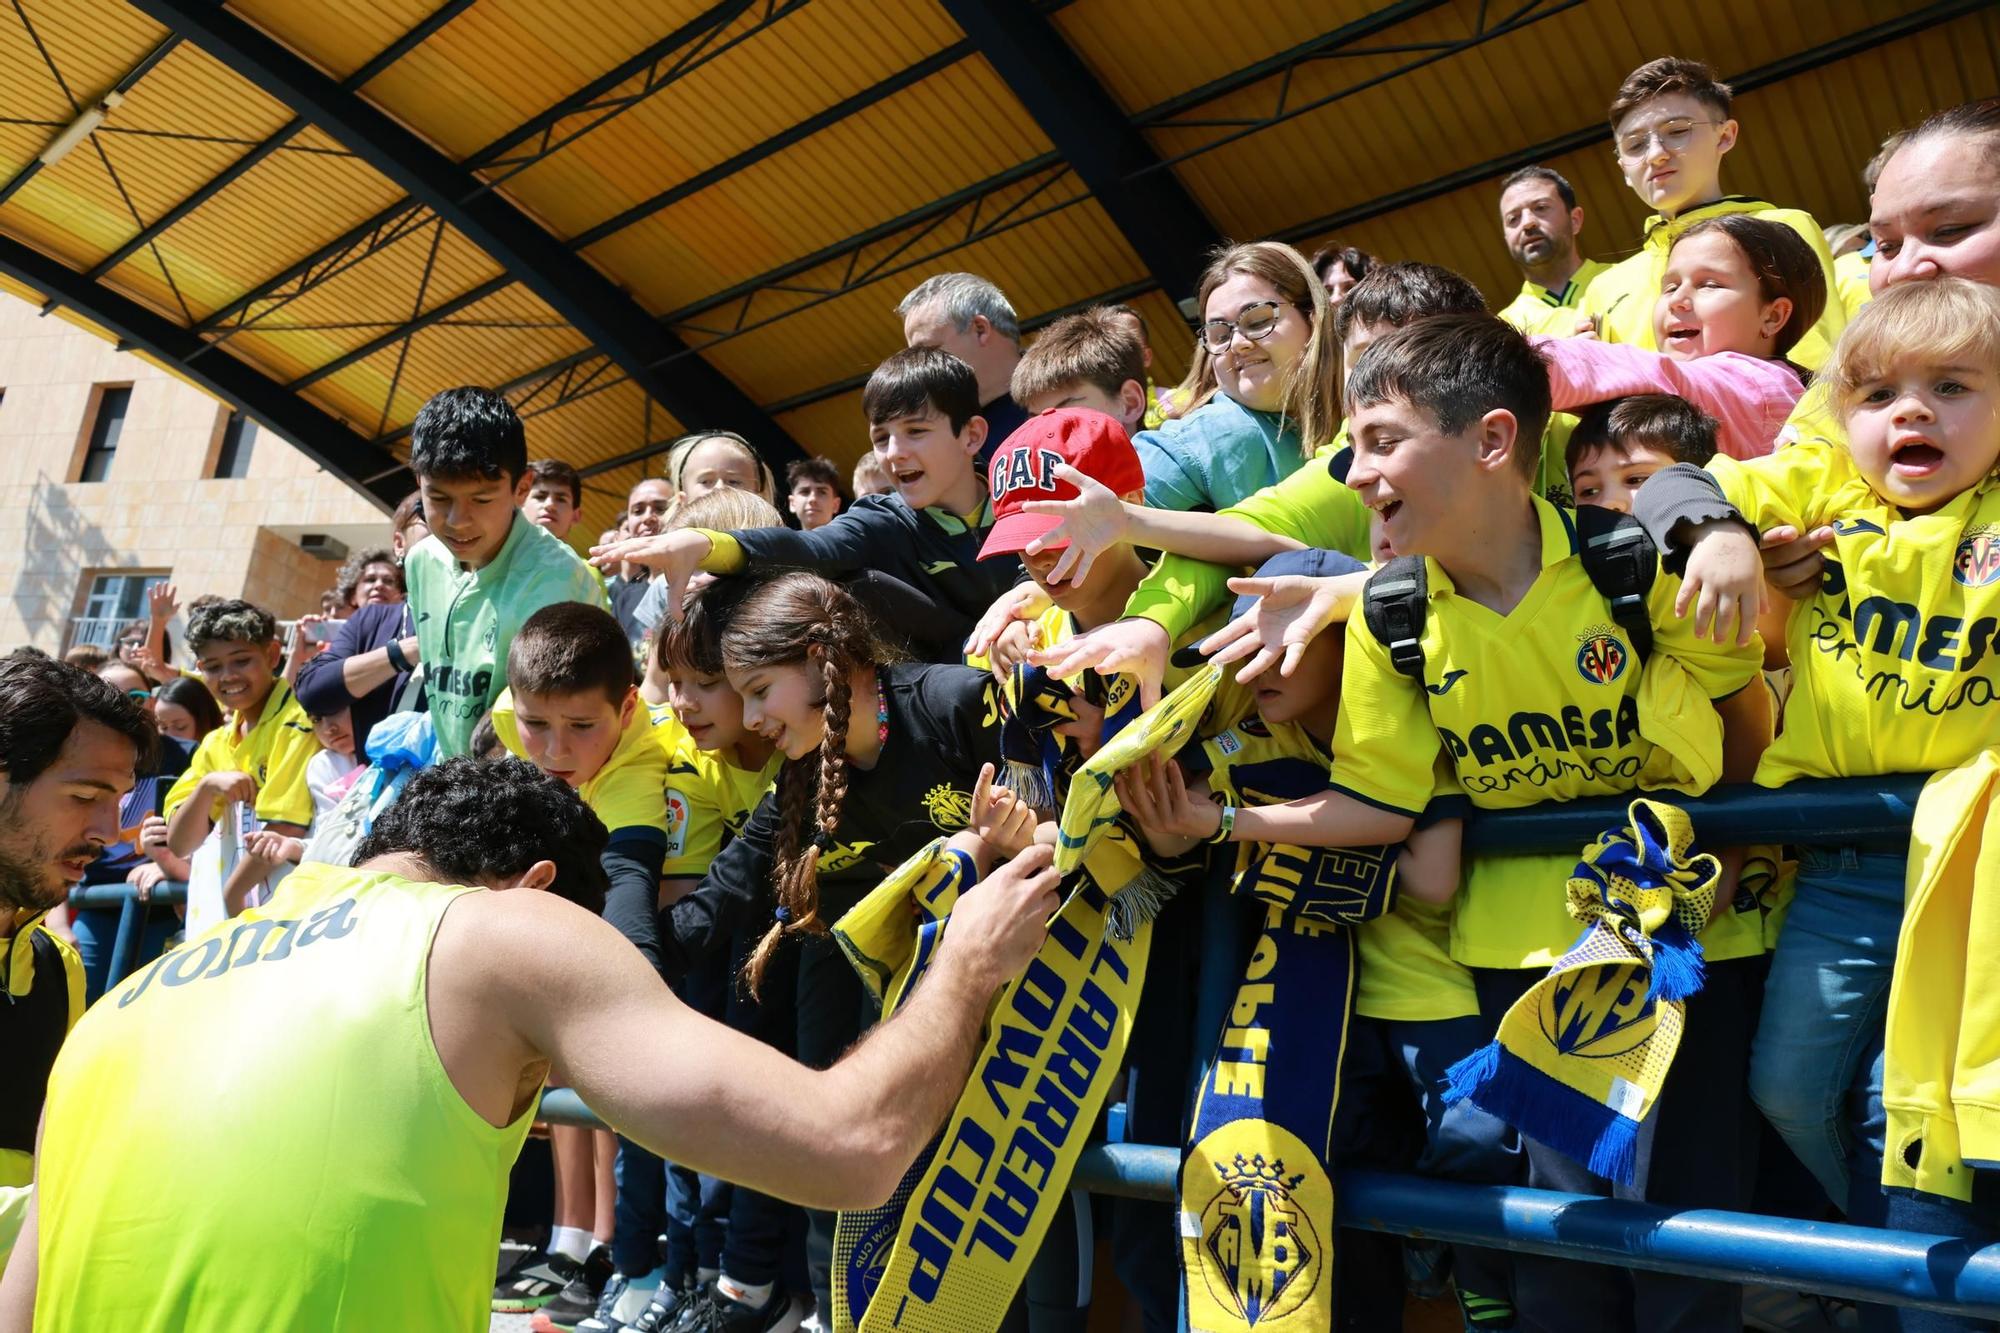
(784, 915)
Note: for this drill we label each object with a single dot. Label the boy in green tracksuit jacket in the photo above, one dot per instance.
(484, 569)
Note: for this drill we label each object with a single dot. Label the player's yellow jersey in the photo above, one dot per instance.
(1406, 970)
(1622, 298)
(1545, 703)
(323, 1171)
(1896, 659)
(274, 751)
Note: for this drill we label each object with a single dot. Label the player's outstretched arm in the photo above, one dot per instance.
(562, 987)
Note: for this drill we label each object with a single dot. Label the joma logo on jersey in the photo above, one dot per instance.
(1597, 1013)
(1601, 655)
(1976, 563)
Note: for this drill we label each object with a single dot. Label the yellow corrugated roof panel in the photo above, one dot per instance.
(896, 156)
(798, 67)
(1069, 257)
(338, 43)
(834, 427)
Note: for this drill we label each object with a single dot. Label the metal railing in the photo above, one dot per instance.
(1854, 1263)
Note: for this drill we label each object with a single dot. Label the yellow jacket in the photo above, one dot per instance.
(1941, 1084)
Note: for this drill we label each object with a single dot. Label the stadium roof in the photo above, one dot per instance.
(643, 217)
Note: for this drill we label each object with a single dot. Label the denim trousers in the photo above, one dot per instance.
(1815, 1065)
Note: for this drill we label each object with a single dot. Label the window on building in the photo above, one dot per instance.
(105, 427)
(113, 602)
(239, 433)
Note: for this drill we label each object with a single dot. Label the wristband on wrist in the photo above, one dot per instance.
(396, 659)
(1226, 827)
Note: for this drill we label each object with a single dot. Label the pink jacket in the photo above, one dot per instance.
(1749, 397)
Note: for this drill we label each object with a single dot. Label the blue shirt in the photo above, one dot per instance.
(1217, 455)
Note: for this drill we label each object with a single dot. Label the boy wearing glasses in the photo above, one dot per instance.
(1671, 127)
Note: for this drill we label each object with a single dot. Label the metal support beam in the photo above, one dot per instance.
(123, 86)
(697, 393)
(278, 138)
(1803, 62)
(323, 439)
(1157, 216)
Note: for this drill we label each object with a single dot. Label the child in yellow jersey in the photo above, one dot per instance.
(260, 755)
(1672, 127)
(716, 772)
(1415, 1012)
(571, 710)
(1530, 693)
(1895, 669)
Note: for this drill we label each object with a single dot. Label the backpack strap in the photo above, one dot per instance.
(1622, 563)
(1395, 603)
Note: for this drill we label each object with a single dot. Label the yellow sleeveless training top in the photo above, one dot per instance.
(256, 1133)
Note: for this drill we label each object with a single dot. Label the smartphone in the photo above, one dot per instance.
(322, 631)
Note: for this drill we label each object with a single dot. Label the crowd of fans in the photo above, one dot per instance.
(768, 710)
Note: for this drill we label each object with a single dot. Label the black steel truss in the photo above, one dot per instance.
(1157, 217)
(328, 442)
(278, 139)
(611, 320)
(124, 85)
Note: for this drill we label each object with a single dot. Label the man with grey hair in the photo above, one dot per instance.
(969, 317)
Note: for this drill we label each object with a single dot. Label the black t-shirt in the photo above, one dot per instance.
(943, 724)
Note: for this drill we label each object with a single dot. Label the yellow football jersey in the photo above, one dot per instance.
(274, 752)
(1542, 704)
(707, 798)
(1896, 659)
(1536, 309)
(627, 792)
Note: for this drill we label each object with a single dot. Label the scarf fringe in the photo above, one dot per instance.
(1030, 783)
(1138, 901)
(1679, 967)
(1507, 1087)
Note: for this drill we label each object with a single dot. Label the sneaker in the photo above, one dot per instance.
(713, 1312)
(623, 1300)
(534, 1284)
(664, 1311)
(578, 1300)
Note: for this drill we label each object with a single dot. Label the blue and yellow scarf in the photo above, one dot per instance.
(1580, 1058)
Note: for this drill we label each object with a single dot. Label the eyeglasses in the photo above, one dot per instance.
(1672, 135)
(1255, 322)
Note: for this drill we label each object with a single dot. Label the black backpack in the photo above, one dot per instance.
(1617, 554)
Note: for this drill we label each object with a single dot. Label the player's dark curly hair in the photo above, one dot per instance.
(473, 819)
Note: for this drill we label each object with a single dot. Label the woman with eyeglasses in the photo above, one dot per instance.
(1262, 390)
(128, 861)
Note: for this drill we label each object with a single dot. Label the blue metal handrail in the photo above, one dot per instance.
(131, 911)
(1857, 1263)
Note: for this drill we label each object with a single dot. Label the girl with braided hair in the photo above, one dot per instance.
(879, 756)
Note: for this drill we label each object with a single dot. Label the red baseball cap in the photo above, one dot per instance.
(1024, 469)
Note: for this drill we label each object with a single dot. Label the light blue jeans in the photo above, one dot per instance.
(1815, 1066)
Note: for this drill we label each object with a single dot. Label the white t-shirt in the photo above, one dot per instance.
(323, 771)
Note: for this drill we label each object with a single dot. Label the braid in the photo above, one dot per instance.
(803, 618)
